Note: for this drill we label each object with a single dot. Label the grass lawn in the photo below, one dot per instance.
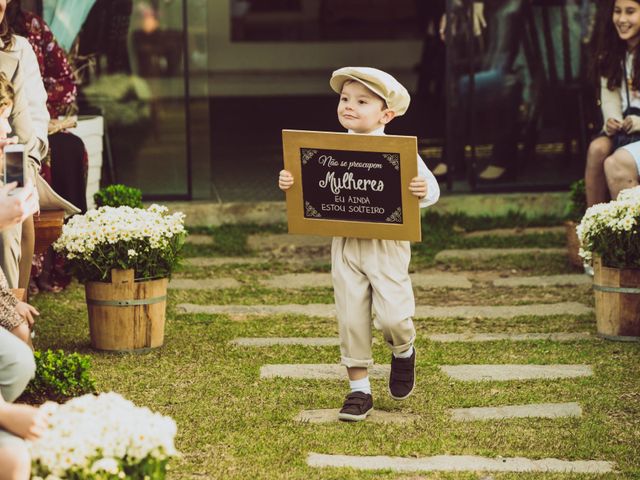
(233, 425)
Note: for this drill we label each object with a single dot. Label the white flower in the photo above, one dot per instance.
(609, 228)
(131, 252)
(100, 433)
(109, 465)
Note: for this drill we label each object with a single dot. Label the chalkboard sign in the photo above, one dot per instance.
(347, 185)
(351, 185)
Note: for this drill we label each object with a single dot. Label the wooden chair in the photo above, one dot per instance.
(48, 227)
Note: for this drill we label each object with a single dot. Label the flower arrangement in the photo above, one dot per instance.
(612, 231)
(118, 195)
(103, 437)
(145, 240)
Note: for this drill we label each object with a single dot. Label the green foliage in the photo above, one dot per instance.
(59, 376)
(118, 195)
(577, 201)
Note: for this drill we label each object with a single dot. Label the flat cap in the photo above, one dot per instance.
(379, 82)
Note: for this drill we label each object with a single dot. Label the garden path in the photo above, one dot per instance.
(531, 325)
(243, 304)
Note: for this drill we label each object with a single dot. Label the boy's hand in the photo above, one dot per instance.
(418, 187)
(27, 312)
(612, 126)
(285, 180)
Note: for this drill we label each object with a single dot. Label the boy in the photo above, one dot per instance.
(370, 272)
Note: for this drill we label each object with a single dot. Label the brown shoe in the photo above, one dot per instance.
(403, 376)
(356, 407)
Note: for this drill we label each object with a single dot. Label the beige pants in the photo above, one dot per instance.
(10, 252)
(17, 367)
(372, 274)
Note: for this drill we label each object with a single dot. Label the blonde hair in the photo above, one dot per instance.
(7, 93)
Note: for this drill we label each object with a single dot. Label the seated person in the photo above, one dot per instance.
(66, 167)
(17, 366)
(15, 316)
(17, 422)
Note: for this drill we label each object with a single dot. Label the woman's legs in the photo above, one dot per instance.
(15, 461)
(594, 178)
(23, 332)
(621, 171)
(17, 367)
(27, 244)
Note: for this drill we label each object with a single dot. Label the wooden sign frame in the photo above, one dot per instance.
(296, 143)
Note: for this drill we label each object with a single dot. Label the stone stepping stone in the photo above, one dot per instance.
(302, 341)
(327, 310)
(323, 310)
(488, 253)
(316, 371)
(330, 415)
(203, 283)
(299, 280)
(482, 373)
(513, 232)
(221, 261)
(534, 410)
(459, 463)
(503, 311)
(544, 281)
(199, 239)
(513, 337)
(440, 280)
(273, 341)
(282, 241)
(419, 280)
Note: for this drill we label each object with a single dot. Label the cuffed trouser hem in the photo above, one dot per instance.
(404, 347)
(355, 363)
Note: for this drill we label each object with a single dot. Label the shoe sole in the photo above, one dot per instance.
(414, 382)
(346, 417)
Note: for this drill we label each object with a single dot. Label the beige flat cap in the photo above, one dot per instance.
(379, 82)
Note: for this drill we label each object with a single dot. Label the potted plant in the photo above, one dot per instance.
(576, 210)
(124, 257)
(610, 237)
(103, 437)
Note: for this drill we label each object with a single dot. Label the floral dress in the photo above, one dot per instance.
(62, 91)
(9, 317)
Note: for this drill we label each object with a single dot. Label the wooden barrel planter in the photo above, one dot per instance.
(573, 244)
(617, 295)
(126, 315)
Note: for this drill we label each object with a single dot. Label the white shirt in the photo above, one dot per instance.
(433, 189)
(33, 86)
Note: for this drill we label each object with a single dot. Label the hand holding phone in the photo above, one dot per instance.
(16, 208)
(15, 166)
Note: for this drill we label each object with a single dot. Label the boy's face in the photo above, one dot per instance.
(361, 110)
(5, 128)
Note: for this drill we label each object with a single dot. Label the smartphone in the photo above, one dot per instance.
(14, 165)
